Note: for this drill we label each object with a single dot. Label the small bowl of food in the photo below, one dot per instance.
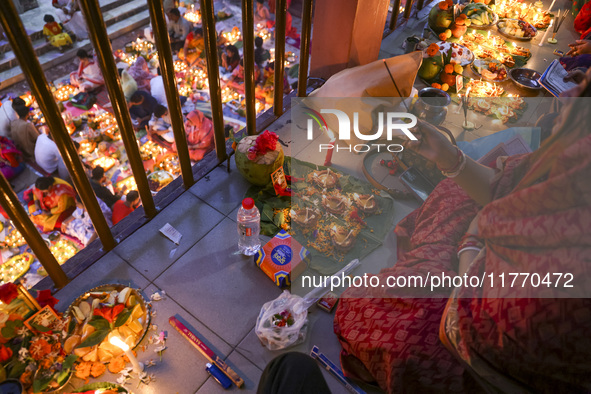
(526, 78)
(516, 29)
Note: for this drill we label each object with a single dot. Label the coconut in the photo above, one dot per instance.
(258, 171)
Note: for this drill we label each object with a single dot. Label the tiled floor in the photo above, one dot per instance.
(210, 287)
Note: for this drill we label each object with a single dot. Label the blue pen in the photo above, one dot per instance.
(335, 371)
(218, 375)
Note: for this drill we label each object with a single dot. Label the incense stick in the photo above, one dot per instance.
(557, 18)
(396, 86)
(562, 19)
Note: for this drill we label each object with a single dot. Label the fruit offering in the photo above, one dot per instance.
(490, 70)
(99, 315)
(479, 15)
(516, 29)
(441, 16)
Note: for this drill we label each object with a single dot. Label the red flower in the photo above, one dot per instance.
(8, 292)
(44, 298)
(5, 354)
(266, 142)
(110, 313)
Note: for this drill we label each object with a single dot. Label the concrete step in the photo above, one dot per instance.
(121, 16)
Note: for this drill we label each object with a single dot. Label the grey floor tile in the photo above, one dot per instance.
(222, 190)
(151, 253)
(244, 368)
(109, 269)
(221, 288)
(182, 369)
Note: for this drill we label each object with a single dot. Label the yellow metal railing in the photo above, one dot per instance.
(24, 52)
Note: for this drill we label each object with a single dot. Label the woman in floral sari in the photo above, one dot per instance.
(50, 202)
(535, 218)
(199, 131)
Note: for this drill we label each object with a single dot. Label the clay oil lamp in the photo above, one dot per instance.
(306, 218)
(326, 179)
(366, 202)
(335, 204)
(342, 239)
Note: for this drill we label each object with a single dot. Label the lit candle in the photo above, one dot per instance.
(328, 159)
(546, 33)
(137, 366)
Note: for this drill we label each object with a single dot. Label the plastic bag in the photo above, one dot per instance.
(278, 326)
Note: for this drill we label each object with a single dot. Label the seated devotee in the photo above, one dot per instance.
(230, 59)
(193, 47)
(236, 80)
(48, 156)
(11, 159)
(69, 14)
(122, 209)
(141, 107)
(88, 77)
(79, 224)
(8, 114)
(262, 14)
(261, 55)
(200, 137)
(178, 28)
(128, 84)
(23, 133)
(100, 183)
(55, 34)
(140, 72)
(50, 202)
(157, 88)
(531, 214)
(159, 128)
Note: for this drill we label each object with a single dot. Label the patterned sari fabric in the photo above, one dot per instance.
(546, 227)
(394, 335)
(539, 225)
(59, 200)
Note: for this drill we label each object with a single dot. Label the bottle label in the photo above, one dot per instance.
(248, 231)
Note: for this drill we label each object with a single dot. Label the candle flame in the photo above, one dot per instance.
(115, 340)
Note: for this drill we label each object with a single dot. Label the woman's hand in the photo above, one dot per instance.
(580, 47)
(433, 145)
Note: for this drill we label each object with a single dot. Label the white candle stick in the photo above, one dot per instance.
(546, 33)
(137, 366)
(551, 5)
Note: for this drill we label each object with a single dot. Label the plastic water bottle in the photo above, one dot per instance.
(249, 227)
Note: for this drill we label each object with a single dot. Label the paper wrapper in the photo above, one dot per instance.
(283, 259)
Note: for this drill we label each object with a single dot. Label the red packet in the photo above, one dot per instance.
(279, 181)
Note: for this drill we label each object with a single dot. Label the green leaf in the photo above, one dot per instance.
(99, 323)
(94, 339)
(279, 219)
(7, 332)
(40, 328)
(71, 325)
(17, 370)
(122, 317)
(69, 361)
(40, 385)
(62, 377)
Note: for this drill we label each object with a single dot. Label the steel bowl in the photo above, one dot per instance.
(525, 78)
